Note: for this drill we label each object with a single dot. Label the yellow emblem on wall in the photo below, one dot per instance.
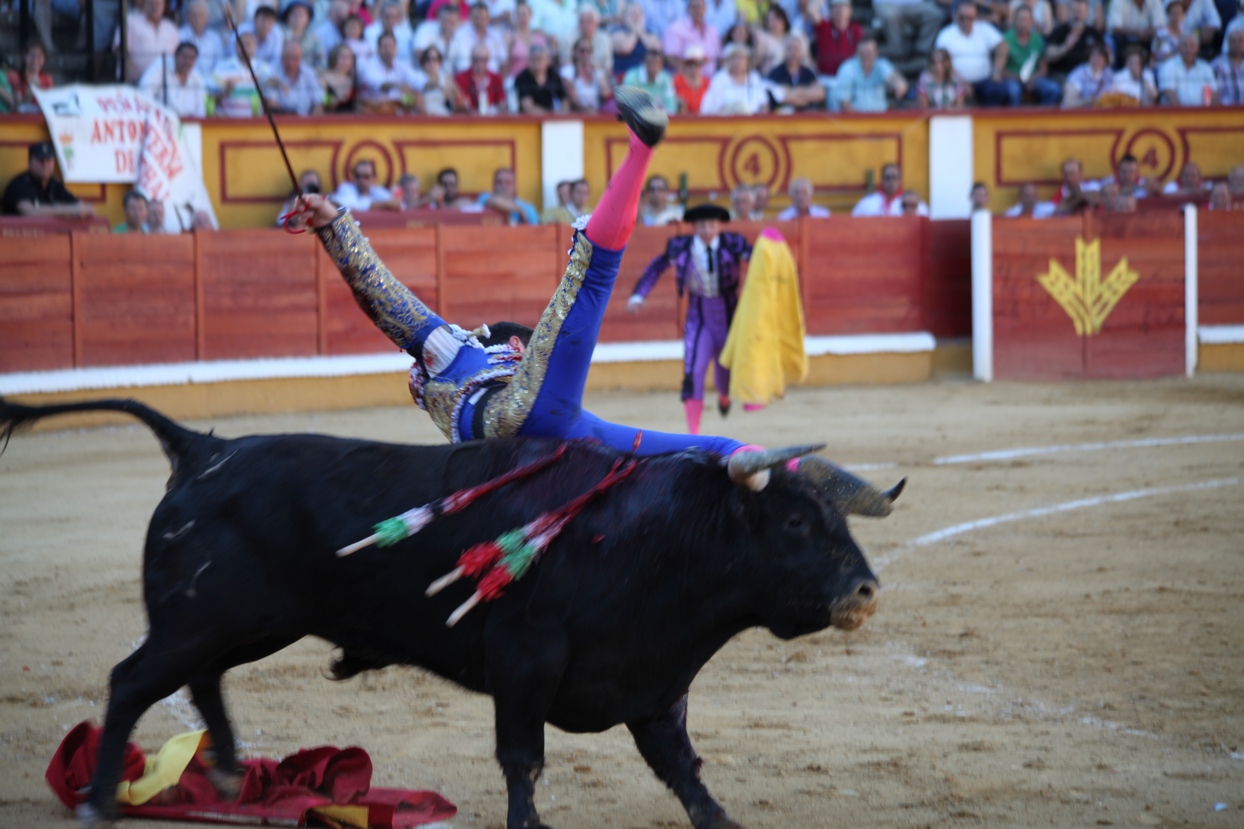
(1088, 299)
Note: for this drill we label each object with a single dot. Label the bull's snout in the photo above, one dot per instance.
(851, 611)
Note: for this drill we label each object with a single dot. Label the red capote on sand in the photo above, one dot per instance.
(324, 785)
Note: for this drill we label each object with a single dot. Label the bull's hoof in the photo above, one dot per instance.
(228, 784)
(92, 818)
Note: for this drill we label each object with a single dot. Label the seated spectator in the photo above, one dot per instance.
(576, 204)
(911, 205)
(1235, 181)
(501, 13)
(1135, 80)
(329, 31)
(445, 194)
(1229, 71)
(741, 35)
(559, 19)
(292, 87)
(694, 30)
(1090, 81)
(386, 84)
(409, 196)
(438, 32)
(308, 182)
(602, 44)
(359, 193)
(1186, 80)
(390, 19)
(1220, 197)
(801, 205)
(743, 204)
(1236, 22)
(760, 195)
(296, 17)
(481, 90)
(863, 80)
(652, 77)
(176, 82)
(736, 89)
(722, 15)
(1069, 44)
(1043, 18)
(155, 216)
(478, 30)
(6, 94)
(800, 88)
(37, 192)
(523, 38)
(504, 200)
(771, 40)
(1029, 206)
(352, 39)
(631, 41)
(923, 17)
(1203, 20)
(978, 197)
(232, 89)
(995, 12)
(690, 85)
(207, 41)
(1165, 43)
(587, 88)
(148, 35)
(1189, 182)
(977, 55)
(1025, 65)
(1075, 192)
(836, 38)
(655, 210)
(268, 37)
(540, 89)
(1127, 178)
(1134, 22)
(884, 201)
(1108, 198)
(340, 80)
(135, 206)
(441, 95)
(938, 88)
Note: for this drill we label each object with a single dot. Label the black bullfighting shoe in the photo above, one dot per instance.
(723, 405)
(637, 111)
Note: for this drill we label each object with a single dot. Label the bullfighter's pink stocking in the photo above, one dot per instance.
(614, 218)
(695, 408)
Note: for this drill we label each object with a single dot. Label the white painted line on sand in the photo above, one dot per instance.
(1011, 454)
(1040, 512)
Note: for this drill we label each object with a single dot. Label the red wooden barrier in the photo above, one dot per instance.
(51, 225)
(36, 303)
(1221, 269)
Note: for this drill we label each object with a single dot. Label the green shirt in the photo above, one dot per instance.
(1018, 55)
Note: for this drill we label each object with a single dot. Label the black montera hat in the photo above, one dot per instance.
(701, 212)
(42, 149)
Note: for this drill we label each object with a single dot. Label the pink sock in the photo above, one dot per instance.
(614, 218)
(694, 408)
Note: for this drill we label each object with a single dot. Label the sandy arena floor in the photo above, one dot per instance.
(1075, 667)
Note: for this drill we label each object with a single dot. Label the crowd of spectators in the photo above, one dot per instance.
(439, 57)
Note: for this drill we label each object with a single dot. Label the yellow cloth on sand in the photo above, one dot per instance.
(164, 769)
(764, 350)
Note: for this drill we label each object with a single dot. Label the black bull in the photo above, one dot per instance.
(610, 627)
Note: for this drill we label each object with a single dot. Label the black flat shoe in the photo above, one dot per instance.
(640, 114)
(723, 405)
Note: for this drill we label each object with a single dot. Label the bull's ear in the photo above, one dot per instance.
(751, 469)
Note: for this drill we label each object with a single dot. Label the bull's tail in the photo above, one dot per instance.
(176, 440)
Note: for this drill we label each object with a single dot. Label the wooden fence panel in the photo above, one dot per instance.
(500, 273)
(865, 275)
(1220, 273)
(36, 303)
(948, 279)
(1034, 339)
(410, 256)
(659, 318)
(258, 295)
(136, 299)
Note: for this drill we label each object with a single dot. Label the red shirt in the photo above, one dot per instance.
(690, 96)
(467, 86)
(834, 46)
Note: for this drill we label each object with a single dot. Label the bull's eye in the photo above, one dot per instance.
(797, 525)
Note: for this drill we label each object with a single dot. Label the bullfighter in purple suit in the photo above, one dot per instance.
(707, 264)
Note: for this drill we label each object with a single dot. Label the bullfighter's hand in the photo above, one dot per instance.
(322, 211)
(634, 304)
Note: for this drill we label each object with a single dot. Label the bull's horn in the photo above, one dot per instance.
(751, 469)
(852, 495)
